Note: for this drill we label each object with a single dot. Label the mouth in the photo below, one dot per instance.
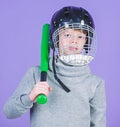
(71, 48)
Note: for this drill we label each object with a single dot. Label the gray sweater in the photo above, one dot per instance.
(84, 106)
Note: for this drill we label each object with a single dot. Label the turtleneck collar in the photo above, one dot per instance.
(68, 70)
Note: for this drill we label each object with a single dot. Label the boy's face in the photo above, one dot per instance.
(71, 41)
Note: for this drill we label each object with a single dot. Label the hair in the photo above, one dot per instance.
(81, 30)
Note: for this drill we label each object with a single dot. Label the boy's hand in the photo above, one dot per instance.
(40, 88)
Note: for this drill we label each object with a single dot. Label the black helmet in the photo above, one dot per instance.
(70, 14)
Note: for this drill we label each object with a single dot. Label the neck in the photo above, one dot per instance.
(68, 70)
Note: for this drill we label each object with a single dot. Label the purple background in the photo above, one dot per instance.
(20, 33)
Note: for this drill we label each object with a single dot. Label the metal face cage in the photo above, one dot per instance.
(75, 43)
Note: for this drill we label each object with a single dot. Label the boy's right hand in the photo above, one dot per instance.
(39, 88)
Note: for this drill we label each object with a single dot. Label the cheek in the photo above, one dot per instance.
(83, 42)
(81, 45)
(64, 42)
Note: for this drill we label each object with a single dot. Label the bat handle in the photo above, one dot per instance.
(41, 98)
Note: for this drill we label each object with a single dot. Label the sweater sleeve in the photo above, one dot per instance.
(98, 107)
(20, 102)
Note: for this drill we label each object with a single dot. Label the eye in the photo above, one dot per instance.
(80, 37)
(67, 35)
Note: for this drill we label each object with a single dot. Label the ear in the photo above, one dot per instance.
(86, 39)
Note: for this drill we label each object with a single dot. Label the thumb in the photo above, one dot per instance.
(50, 89)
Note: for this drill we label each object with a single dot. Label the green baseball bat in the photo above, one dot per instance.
(42, 99)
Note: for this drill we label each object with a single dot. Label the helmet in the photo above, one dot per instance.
(67, 21)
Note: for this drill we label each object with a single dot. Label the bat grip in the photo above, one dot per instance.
(41, 98)
(43, 76)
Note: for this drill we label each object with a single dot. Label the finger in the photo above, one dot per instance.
(44, 92)
(42, 83)
(49, 89)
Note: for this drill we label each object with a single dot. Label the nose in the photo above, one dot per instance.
(74, 40)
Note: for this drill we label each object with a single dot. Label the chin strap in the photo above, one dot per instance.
(55, 75)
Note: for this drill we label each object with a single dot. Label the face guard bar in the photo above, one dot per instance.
(75, 43)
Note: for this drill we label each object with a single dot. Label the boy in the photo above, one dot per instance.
(76, 97)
